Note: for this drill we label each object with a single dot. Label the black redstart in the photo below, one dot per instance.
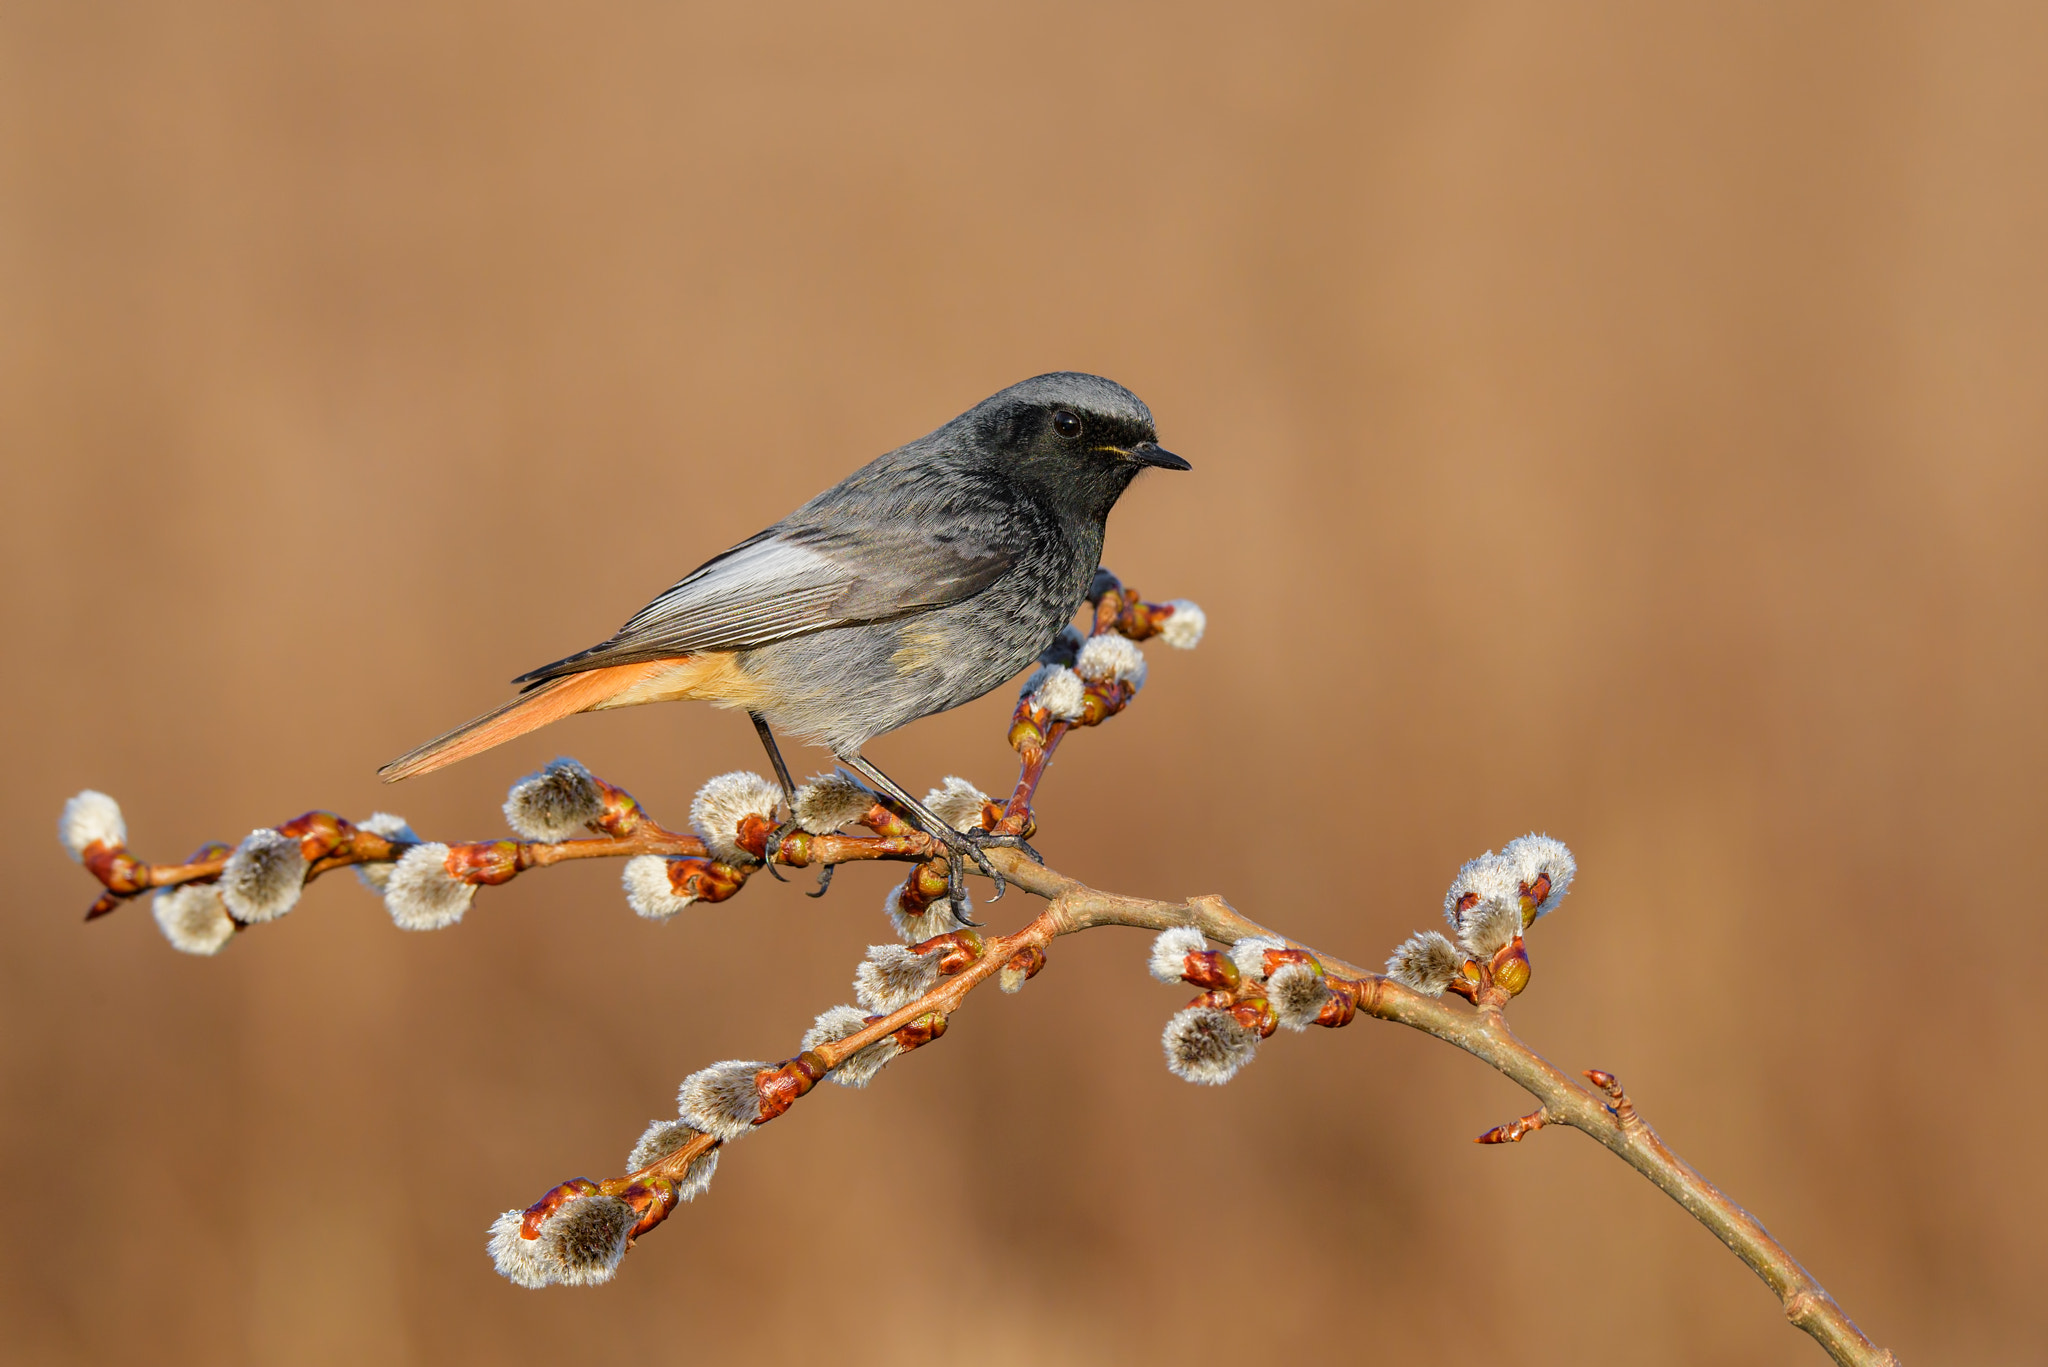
(921, 581)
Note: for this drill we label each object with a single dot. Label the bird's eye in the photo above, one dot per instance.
(1066, 424)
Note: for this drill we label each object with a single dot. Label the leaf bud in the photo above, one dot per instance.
(781, 1086)
(654, 1198)
(921, 1031)
(483, 863)
(622, 815)
(955, 949)
(1338, 1010)
(1511, 967)
(547, 1205)
(1027, 730)
(1256, 1014)
(1273, 960)
(703, 880)
(1212, 968)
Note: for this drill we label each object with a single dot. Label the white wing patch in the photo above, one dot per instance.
(760, 592)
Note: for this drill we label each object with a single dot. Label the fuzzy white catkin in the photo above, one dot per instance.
(1489, 877)
(421, 894)
(376, 877)
(697, 1180)
(580, 1243)
(1061, 693)
(1296, 993)
(891, 977)
(1170, 952)
(1427, 962)
(264, 876)
(833, 1025)
(660, 1139)
(520, 1260)
(939, 918)
(648, 889)
(1111, 657)
(1491, 927)
(91, 818)
(1207, 1046)
(1249, 954)
(1530, 856)
(664, 1137)
(830, 802)
(555, 803)
(1183, 630)
(722, 803)
(722, 1100)
(956, 802)
(589, 1235)
(842, 1022)
(193, 917)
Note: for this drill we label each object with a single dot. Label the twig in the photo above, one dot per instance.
(1482, 1032)
(1246, 996)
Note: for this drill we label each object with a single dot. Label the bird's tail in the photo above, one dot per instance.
(530, 711)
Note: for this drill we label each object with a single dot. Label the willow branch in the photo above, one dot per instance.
(1484, 1033)
(580, 1230)
(1604, 1113)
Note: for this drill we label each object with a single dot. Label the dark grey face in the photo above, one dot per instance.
(1079, 437)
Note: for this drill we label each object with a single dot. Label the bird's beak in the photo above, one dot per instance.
(1153, 454)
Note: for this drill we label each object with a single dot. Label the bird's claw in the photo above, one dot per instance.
(973, 845)
(956, 900)
(773, 844)
(959, 849)
(987, 866)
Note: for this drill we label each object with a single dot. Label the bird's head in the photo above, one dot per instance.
(1079, 437)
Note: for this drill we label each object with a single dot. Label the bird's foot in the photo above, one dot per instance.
(1000, 841)
(959, 850)
(773, 845)
(962, 846)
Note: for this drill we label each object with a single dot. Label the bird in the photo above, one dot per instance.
(920, 582)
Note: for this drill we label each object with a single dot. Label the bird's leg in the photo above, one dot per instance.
(775, 758)
(789, 826)
(959, 847)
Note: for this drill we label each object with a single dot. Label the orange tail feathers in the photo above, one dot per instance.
(550, 702)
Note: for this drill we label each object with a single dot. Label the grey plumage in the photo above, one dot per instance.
(920, 582)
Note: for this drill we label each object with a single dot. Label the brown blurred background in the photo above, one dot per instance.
(1627, 424)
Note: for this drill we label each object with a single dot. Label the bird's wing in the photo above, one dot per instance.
(791, 580)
